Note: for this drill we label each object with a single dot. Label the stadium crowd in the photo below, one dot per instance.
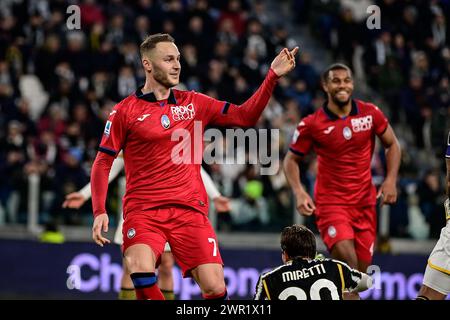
(57, 87)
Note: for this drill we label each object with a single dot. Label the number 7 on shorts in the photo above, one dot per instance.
(212, 240)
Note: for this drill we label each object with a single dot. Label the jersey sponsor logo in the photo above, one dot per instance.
(143, 117)
(165, 121)
(107, 128)
(347, 133)
(180, 113)
(362, 124)
(328, 130)
(332, 231)
(131, 233)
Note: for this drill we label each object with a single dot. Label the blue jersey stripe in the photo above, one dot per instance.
(225, 108)
(107, 151)
(296, 152)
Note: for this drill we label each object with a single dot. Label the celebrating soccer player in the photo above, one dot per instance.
(342, 133)
(165, 200)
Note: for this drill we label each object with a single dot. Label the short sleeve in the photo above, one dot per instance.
(260, 292)
(302, 139)
(114, 132)
(380, 121)
(352, 277)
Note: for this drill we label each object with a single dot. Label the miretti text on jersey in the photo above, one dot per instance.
(303, 279)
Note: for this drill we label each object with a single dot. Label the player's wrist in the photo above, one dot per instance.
(272, 74)
(300, 193)
(390, 179)
(99, 213)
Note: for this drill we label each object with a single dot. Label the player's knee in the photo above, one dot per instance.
(214, 291)
(140, 258)
(126, 270)
(213, 286)
(137, 264)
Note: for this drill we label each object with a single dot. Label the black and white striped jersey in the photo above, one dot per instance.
(303, 279)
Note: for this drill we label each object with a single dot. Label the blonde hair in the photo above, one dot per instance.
(152, 40)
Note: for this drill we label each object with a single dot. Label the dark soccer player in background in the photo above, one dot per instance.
(342, 133)
(436, 280)
(304, 278)
(165, 201)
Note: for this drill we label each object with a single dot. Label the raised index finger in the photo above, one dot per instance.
(294, 51)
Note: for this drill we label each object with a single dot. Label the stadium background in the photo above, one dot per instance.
(57, 87)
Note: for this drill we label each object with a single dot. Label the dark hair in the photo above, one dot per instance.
(150, 42)
(335, 66)
(298, 241)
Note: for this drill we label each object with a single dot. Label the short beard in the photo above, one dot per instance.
(162, 79)
(339, 103)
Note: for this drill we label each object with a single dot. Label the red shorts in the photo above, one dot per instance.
(337, 223)
(189, 233)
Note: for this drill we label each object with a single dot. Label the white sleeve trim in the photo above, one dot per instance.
(117, 166)
(365, 283)
(210, 187)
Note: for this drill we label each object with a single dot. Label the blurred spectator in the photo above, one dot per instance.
(281, 39)
(236, 15)
(91, 13)
(430, 194)
(126, 83)
(49, 56)
(53, 120)
(249, 212)
(201, 38)
(305, 71)
(142, 28)
(11, 168)
(115, 31)
(69, 177)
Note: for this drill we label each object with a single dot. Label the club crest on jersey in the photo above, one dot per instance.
(131, 233)
(347, 133)
(165, 121)
(107, 128)
(332, 231)
(180, 113)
